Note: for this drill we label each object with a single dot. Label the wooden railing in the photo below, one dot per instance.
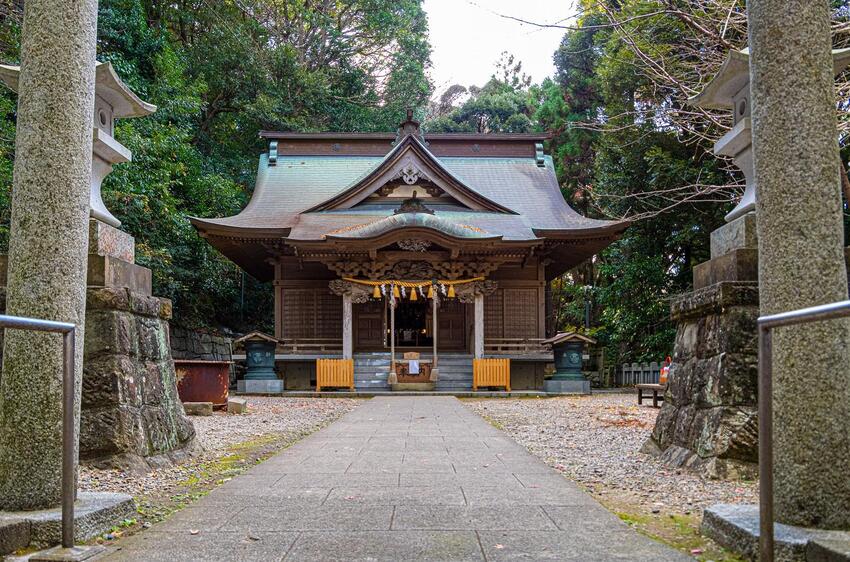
(513, 345)
(491, 372)
(311, 345)
(334, 373)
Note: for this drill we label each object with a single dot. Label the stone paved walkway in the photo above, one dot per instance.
(399, 478)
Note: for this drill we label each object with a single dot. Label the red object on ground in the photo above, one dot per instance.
(203, 381)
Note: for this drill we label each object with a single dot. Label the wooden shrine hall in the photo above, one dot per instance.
(389, 246)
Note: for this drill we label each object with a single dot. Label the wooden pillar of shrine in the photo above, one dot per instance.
(393, 377)
(479, 325)
(434, 331)
(347, 332)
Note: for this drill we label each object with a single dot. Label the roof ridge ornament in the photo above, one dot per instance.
(413, 205)
(409, 126)
(273, 153)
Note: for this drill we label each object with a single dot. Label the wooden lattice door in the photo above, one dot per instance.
(451, 319)
(369, 326)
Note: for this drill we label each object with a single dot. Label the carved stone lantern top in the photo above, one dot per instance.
(113, 100)
(730, 89)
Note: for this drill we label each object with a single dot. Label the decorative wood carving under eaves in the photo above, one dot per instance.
(413, 270)
(466, 292)
(414, 244)
(359, 293)
(409, 172)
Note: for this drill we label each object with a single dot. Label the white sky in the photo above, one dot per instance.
(468, 37)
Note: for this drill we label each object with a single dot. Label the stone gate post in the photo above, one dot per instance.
(49, 241)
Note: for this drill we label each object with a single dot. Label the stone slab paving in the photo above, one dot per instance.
(398, 478)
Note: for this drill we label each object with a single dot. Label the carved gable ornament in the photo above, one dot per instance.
(410, 172)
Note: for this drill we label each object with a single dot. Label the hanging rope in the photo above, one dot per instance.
(399, 288)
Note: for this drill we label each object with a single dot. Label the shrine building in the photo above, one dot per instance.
(384, 243)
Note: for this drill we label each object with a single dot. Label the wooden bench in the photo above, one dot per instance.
(655, 388)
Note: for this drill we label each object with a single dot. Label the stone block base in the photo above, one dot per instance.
(740, 233)
(738, 265)
(108, 271)
(259, 386)
(198, 408)
(736, 527)
(413, 386)
(237, 406)
(131, 416)
(553, 386)
(94, 514)
(710, 467)
(106, 240)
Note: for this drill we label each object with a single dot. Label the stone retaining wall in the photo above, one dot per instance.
(191, 344)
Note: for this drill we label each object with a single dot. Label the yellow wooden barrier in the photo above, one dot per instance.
(491, 372)
(334, 372)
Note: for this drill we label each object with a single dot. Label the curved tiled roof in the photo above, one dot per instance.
(404, 220)
(297, 183)
(509, 198)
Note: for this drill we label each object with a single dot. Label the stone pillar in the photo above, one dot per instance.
(801, 261)
(347, 336)
(49, 242)
(479, 325)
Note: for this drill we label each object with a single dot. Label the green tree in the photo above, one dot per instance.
(505, 104)
(618, 157)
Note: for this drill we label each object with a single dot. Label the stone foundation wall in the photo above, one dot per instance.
(190, 344)
(709, 419)
(131, 414)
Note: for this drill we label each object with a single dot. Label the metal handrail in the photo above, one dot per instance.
(69, 460)
(765, 325)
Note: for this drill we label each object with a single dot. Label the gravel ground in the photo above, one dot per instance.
(595, 441)
(288, 419)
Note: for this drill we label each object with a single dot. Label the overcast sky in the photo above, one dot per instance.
(468, 36)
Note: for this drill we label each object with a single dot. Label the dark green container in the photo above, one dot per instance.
(259, 358)
(568, 360)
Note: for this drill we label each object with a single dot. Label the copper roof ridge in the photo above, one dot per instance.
(328, 135)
